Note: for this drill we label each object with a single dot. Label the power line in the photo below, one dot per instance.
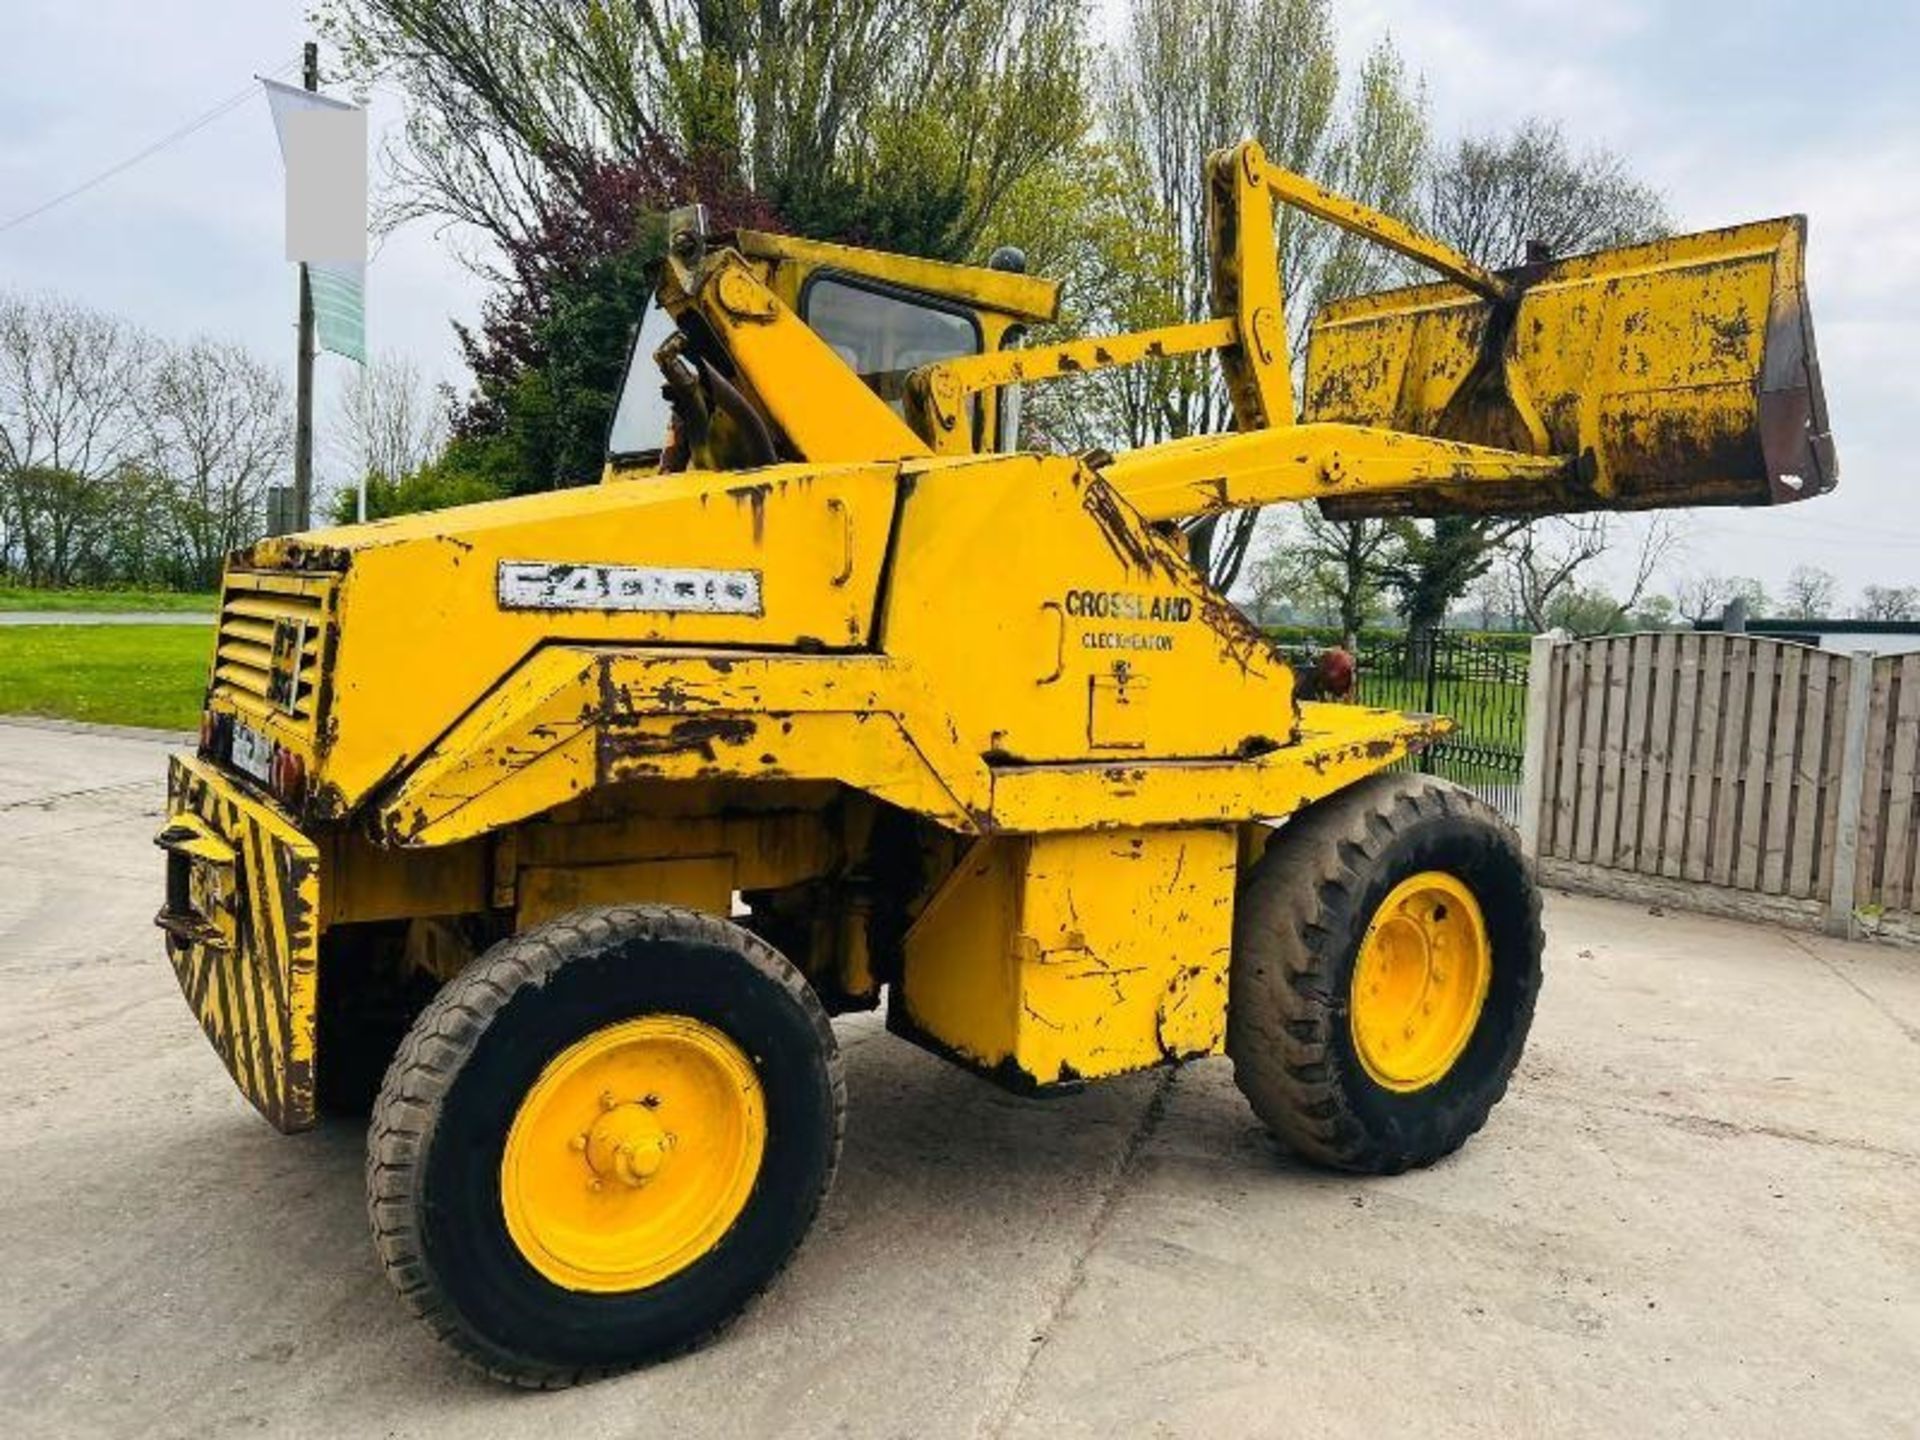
(198, 123)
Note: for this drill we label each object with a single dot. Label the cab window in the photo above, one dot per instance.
(640, 421)
(884, 336)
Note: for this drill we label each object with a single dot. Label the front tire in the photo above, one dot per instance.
(602, 1140)
(1385, 964)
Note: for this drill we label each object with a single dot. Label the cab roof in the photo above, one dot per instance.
(1025, 297)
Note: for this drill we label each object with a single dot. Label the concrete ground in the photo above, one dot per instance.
(1698, 1213)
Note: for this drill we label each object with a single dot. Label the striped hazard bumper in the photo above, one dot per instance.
(243, 888)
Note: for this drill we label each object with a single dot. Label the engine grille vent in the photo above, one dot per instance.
(269, 643)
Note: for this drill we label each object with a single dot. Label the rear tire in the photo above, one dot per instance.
(1302, 918)
(493, 1047)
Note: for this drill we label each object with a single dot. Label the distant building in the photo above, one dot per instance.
(1883, 637)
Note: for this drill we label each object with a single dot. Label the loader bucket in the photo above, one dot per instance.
(1679, 372)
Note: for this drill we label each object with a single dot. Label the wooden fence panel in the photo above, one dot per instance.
(1730, 770)
(1653, 799)
(1637, 661)
(1833, 776)
(1873, 789)
(1572, 689)
(1903, 763)
(1613, 749)
(1763, 697)
(1718, 760)
(1686, 699)
(1809, 777)
(1593, 706)
(1786, 744)
(1704, 771)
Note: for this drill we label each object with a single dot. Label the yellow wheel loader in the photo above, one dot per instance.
(555, 828)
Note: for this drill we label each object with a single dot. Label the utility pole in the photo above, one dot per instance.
(303, 371)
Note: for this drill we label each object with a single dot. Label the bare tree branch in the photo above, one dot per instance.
(389, 422)
(219, 424)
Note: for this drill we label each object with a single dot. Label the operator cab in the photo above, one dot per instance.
(884, 315)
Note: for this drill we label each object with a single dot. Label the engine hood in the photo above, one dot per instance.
(433, 611)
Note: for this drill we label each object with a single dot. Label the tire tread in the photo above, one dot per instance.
(429, 1058)
(1297, 899)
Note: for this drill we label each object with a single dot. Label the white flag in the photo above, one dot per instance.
(323, 143)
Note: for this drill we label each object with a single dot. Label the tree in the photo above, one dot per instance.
(55, 518)
(1543, 561)
(1328, 567)
(1656, 612)
(552, 344)
(903, 121)
(438, 485)
(1811, 593)
(1184, 78)
(125, 460)
(389, 422)
(561, 133)
(1492, 196)
(219, 426)
(1889, 602)
(1431, 566)
(1086, 225)
(1585, 610)
(1705, 596)
(139, 539)
(71, 383)
(1492, 603)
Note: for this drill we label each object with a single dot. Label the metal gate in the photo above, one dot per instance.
(1480, 681)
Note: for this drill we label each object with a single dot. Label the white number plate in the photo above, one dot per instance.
(545, 585)
(252, 752)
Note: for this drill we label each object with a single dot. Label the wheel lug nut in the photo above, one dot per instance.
(594, 1184)
(577, 1144)
(608, 1100)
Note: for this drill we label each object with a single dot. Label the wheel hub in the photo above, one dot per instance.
(1420, 981)
(627, 1144)
(633, 1153)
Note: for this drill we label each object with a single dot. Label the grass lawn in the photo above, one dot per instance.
(110, 674)
(14, 597)
(1488, 711)
(1489, 720)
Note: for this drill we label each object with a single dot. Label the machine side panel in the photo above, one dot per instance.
(1052, 959)
(1051, 623)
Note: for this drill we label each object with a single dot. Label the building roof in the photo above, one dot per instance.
(1819, 627)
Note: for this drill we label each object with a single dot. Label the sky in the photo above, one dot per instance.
(1734, 109)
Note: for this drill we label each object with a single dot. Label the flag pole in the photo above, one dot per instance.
(303, 371)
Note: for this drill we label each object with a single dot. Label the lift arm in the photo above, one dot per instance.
(1250, 332)
(1677, 372)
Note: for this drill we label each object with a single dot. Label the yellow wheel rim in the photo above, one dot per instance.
(633, 1153)
(1420, 981)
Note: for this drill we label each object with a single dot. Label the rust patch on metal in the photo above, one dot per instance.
(755, 497)
(1129, 543)
(692, 736)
